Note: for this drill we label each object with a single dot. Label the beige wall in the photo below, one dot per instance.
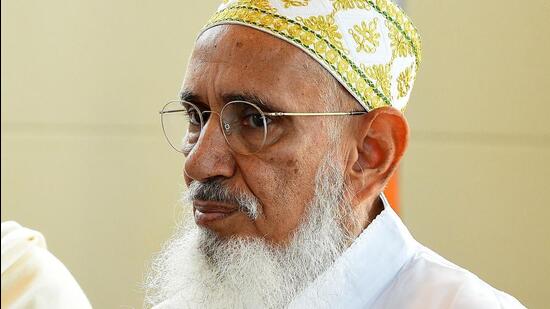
(84, 161)
(475, 180)
(83, 156)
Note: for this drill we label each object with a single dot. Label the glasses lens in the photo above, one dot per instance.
(244, 126)
(181, 123)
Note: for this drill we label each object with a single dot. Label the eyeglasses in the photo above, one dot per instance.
(246, 128)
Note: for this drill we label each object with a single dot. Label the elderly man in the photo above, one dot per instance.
(290, 122)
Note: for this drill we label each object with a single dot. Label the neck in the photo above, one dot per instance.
(361, 217)
(376, 208)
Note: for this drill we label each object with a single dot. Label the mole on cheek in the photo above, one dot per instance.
(295, 171)
(239, 44)
(290, 163)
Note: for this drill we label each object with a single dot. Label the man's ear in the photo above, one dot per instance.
(381, 136)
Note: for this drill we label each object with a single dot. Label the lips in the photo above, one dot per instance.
(207, 212)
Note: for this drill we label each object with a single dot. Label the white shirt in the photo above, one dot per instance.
(386, 267)
(32, 277)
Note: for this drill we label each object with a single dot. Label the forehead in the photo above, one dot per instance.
(235, 58)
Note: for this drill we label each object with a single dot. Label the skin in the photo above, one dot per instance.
(233, 58)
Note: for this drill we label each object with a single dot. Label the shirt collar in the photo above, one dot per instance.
(365, 268)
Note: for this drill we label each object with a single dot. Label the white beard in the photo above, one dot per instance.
(198, 269)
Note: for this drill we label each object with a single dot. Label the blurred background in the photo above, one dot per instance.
(84, 160)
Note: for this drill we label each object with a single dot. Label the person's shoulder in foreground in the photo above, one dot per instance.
(32, 277)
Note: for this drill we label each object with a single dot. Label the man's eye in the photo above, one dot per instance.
(256, 121)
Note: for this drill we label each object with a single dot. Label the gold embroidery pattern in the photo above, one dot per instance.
(400, 46)
(381, 75)
(341, 65)
(404, 82)
(261, 4)
(326, 27)
(349, 4)
(321, 37)
(289, 3)
(398, 19)
(366, 36)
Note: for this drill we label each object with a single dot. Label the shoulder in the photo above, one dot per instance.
(430, 281)
(32, 276)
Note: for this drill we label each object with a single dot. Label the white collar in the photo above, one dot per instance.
(365, 268)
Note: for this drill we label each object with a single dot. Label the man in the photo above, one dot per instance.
(290, 122)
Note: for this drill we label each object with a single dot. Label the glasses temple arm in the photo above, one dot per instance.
(352, 113)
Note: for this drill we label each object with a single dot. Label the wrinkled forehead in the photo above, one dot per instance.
(234, 58)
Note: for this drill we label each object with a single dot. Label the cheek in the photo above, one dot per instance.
(285, 186)
(277, 182)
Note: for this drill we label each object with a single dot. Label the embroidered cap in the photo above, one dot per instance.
(369, 46)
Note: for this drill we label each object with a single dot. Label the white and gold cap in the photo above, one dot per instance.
(370, 46)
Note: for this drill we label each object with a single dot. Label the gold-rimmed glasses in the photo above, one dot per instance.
(247, 129)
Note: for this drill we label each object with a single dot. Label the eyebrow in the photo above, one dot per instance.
(260, 101)
(190, 96)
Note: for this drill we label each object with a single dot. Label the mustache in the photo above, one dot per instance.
(215, 191)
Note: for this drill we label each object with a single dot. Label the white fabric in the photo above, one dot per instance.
(31, 276)
(386, 268)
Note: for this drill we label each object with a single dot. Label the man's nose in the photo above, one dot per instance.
(211, 156)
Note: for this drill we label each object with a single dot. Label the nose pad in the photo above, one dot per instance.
(226, 127)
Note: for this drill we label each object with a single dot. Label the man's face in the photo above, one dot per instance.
(236, 60)
(314, 194)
